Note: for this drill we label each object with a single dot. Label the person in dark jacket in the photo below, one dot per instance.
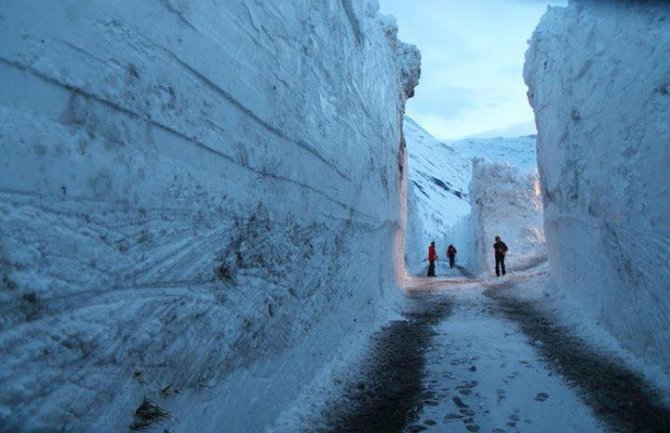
(451, 253)
(500, 250)
(432, 256)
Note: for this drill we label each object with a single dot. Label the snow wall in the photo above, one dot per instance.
(199, 201)
(506, 202)
(599, 82)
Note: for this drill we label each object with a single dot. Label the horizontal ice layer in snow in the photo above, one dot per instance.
(198, 202)
(599, 82)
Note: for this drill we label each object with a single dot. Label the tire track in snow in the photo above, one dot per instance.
(483, 375)
(396, 388)
(617, 395)
(384, 396)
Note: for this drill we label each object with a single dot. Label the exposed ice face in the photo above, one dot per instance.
(599, 76)
(200, 195)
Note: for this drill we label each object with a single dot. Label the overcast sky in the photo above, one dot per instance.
(472, 63)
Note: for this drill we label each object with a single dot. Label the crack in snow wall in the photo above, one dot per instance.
(599, 80)
(203, 197)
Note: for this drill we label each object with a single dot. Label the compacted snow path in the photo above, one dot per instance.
(483, 374)
(470, 356)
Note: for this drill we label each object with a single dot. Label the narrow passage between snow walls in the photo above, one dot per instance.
(202, 220)
(466, 193)
(597, 206)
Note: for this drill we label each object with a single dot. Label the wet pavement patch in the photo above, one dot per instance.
(387, 394)
(619, 397)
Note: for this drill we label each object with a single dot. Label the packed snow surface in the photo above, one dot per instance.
(199, 201)
(599, 82)
(485, 375)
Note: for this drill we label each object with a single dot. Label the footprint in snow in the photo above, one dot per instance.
(458, 402)
(542, 396)
(467, 411)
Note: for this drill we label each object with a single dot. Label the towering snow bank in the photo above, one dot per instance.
(506, 202)
(408, 57)
(599, 79)
(200, 197)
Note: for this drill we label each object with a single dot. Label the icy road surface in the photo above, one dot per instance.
(472, 355)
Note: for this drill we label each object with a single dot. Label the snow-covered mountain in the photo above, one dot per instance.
(438, 196)
(599, 80)
(467, 192)
(199, 201)
(518, 152)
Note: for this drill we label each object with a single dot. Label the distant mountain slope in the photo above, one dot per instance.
(438, 192)
(517, 151)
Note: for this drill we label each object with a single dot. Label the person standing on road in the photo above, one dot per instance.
(451, 253)
(432, 256)
(500, 250)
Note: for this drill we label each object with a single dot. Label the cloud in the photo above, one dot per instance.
(446, 102)
(472, 61)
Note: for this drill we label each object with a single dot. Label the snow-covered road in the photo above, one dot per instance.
(472, 356)
(483, 374)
